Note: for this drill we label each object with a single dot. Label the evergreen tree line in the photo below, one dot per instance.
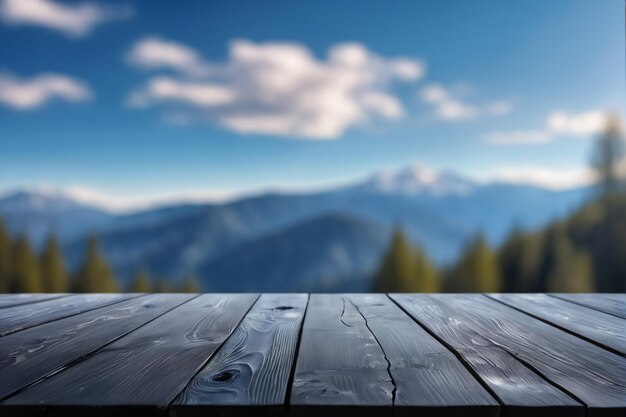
(22, 270)
(583, 253)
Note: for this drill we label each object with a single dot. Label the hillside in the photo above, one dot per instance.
(599, 229)
(332, 252)
(438, 210)
(36, 213)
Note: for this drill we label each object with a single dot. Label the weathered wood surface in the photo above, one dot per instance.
(595, 376)
(28, 315)
(253, 366)
(592, 325)
(424, 372)
(10, 300)
(340, 362)
(469, 333)
(151, 365)
(38, 352)
(608, 303)
(330, 355)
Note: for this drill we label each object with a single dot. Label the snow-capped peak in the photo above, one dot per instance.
(417, 179)
(37, 198)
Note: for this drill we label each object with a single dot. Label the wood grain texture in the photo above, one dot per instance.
(340, 361)
(426, 374)
(594, 375)
(335, 355)
(32, 354)
(614, 304)
(24, 316)
(150, 366)
(254, 364)
(468, 333)
(603, 329)
(10, 300)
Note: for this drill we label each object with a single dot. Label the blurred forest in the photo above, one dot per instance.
(22, 271)
(584, 252)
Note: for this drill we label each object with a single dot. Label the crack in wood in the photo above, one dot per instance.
(393, 382)
(343, 312)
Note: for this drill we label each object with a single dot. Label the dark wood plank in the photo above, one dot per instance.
(35, 353)
(614, 304)
(253, 366)
(474, 323)
(10, 300)
(24, 316)
(149, 366)
(600, 328)
(339, 362)
(517, 386)
(425, 373)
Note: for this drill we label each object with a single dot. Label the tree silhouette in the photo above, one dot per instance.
(141, 282)
(5, 258)
(162, 285)
(94, 275)
(477, 270)
(608, 154)
(405, 269)
(25, 275)
(518, 259)
(190, 284)
(53, 273)
(569, 269)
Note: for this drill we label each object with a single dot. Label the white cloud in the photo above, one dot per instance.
(136, 201)
(74, 20)
(277, 88)
(545, 177)
(558, 123)
(28, 94)
(519, 137)
(588, 123)
(450, 107)
(155, 53)
(194, 93)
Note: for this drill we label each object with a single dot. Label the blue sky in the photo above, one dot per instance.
(147, 99)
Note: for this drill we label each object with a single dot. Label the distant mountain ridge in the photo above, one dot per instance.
(38, 212)
(326, 253)
(419, 179)
(439, 210)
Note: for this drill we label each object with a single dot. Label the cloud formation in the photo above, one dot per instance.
(276, 88)
(155, 53)
(558, 123)
(74, 20)
(557, 179)
(29, 94)
(450, 107)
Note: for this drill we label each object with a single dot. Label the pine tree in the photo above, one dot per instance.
(53, 273)
(25, 275)
(190, 284)
(95, 275)
(477, 270)
(519, 258)
(141, 282)
(608, 154)
(566, 269)
(162, 285)
(405, 269)
(427, 279)
(5, 258)
(398, 266)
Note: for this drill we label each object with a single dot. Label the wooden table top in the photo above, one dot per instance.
(318, 354)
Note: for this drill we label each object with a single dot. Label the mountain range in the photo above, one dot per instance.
(323, 241)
